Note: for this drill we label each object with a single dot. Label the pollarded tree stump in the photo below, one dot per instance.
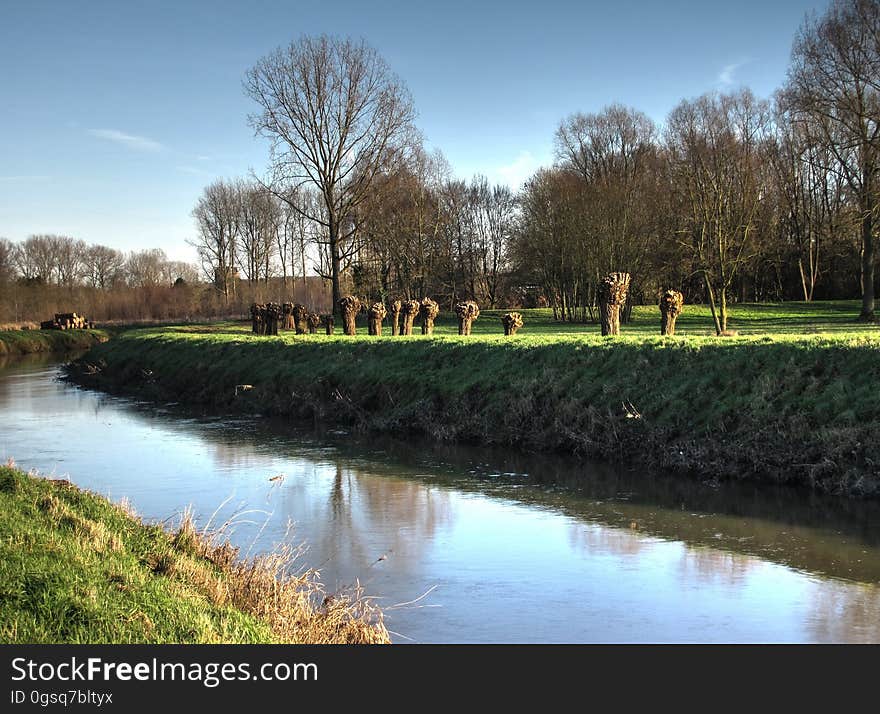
(396, 307)
(314, 320)
(409, 309)
(671, 305)
(327, 321)
(612, 296)
(429, 311)
(375, 314)
(287, 316)
(467, 312)
(512, 321)
(300, 313)
(350, 306)
(255, 318)
(273, 316)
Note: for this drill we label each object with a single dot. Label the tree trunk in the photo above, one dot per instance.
(867, 313)
(710, 293)
(429, 311)
(467, 312)
(396, 306)
(349, 306)
(512, 321)
(409, 309)
(335, 263)
(375, 315)
(300, 312)
(670, 308)
(612, 296)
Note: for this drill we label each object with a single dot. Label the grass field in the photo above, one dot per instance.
(22, 342)
(796, 405)
(75, 568)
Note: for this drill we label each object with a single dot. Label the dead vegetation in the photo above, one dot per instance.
(271, 587)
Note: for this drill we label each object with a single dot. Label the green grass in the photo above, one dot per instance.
(798, 404)
(21, 342)
(75, 568)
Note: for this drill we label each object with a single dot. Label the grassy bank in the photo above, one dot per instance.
(23, 342)
(75, 568)
(798, 406)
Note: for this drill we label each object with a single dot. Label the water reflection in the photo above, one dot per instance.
(515, 547)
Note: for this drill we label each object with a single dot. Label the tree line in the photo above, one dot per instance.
(732, 198)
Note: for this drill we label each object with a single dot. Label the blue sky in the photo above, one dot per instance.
(115, 115)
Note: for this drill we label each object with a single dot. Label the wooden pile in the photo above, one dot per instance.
(612, 295)
(67, 321)
(349, 306)
(429, 311)
(409, 309)
(467, 312)
(375, 314)
(671, 305)
(327, 321)
(512, 321)
(314, 320)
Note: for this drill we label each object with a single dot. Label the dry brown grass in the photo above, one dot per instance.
(270, 587)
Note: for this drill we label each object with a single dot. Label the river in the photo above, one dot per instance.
(463, 544)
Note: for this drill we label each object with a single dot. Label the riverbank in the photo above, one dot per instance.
(790, 409)
(75, 568)
(23, 342)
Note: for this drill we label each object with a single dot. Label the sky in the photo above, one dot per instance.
(115, 115)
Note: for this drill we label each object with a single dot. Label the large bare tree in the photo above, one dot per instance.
(834, 82)
(335, 115)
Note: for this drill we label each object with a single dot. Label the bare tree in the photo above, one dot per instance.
(614, 152)
(493, 215)
(834, 81)
(146, 268)
(7, 260)
(216, 214)
(336, 116)
(258, 223)
(717, 147)
(70, 260)
(104, 267)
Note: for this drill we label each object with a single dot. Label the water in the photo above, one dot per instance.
(474, 545)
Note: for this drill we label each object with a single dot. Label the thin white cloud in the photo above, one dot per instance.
(726, 76)
(13, 179)
(517, 172)
(130, 141)
(203, 158)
